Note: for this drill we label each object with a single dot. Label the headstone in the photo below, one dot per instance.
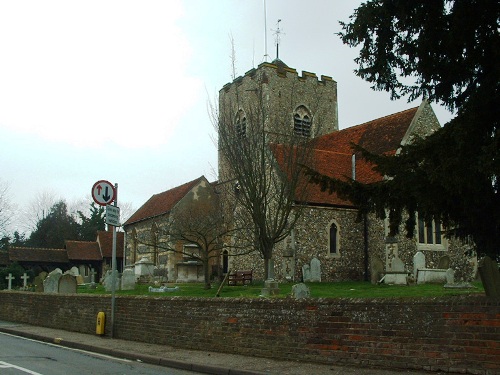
(128, 279)
(444, 262)
(38, 284)
(163, 289)
(108, 281)
(51, 282)
(396, 275)
(9, 281)
(25, 278)
(80, 280)
(74, 271)
(450, 276)
(300, 291)
(376, 269)
(306, 273)
(67, 284)
(315, 270)
(397, 265)
(391, 251)
(271, 288)
(418, 263)
(490, 276)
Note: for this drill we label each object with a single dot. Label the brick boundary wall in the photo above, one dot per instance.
(451, 334)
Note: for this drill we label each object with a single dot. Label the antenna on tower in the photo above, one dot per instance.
(277, 34)
(265, 32)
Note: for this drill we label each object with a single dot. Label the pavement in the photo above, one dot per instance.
(204, 362)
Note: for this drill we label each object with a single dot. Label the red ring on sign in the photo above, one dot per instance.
(97, 199)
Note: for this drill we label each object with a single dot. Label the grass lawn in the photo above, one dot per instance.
(318, 290)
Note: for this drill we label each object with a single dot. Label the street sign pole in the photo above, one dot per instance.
(113, 270)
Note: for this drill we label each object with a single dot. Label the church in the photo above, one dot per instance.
(328, 232)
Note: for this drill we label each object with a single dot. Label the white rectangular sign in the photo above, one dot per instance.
(113, 215)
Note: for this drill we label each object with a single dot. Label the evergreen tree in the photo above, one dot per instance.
(52, 230)
(447, 51)
(90, 225)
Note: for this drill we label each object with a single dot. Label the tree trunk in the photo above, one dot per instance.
(206, 273)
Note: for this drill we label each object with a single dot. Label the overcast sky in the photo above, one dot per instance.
(118, 90)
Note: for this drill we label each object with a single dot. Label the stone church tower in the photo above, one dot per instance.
(282, 101)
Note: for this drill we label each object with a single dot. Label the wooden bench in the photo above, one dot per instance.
(239, 278)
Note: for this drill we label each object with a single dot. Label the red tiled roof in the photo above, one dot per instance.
(105, 240)
(83, 250)
(162, 203)
(332, 154)
(40, 255)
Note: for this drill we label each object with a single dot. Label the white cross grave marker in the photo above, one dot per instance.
(25, 278)
(10, 278)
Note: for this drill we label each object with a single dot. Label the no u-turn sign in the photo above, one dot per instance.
(103, 192)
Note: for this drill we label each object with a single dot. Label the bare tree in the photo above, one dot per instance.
(195, 228)
(6, 209)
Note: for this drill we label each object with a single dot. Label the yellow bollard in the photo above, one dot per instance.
(99, 329)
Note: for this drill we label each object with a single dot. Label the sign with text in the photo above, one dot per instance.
(113, 215)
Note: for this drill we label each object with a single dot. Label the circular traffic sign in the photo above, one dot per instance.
(103, 192)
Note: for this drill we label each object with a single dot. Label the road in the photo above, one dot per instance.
(20, 356)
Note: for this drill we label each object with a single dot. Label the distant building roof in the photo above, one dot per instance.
(105, 241)
(38, 255)
(162, 203)
(83, 250)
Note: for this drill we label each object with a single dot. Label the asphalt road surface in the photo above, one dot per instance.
(20, 356)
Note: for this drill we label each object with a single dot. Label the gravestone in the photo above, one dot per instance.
(67, 284)
(490, 276)
(271, 288)
(74, 271)
(38, 284)
(80, 280)
(128, 279)
(51, 282)
(306, 273)
(450, 276)
(391, 251)
(163, 289)
(108, 281)
(418, 263)
(9, 281)
(315, 270)
(300, 291)
(25, 278)
(444, 262)
(376, 269)
(396, 274)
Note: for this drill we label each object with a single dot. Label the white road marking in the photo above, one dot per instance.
(10, 365)
(67, 348)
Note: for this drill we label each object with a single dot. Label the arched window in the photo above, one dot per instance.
(333, 239)
(240, 128)
(302, 121)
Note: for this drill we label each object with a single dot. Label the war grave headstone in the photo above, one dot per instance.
(418, 263)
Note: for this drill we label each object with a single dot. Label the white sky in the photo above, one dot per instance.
(118, 90)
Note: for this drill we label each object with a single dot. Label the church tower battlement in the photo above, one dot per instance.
(306, 105)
